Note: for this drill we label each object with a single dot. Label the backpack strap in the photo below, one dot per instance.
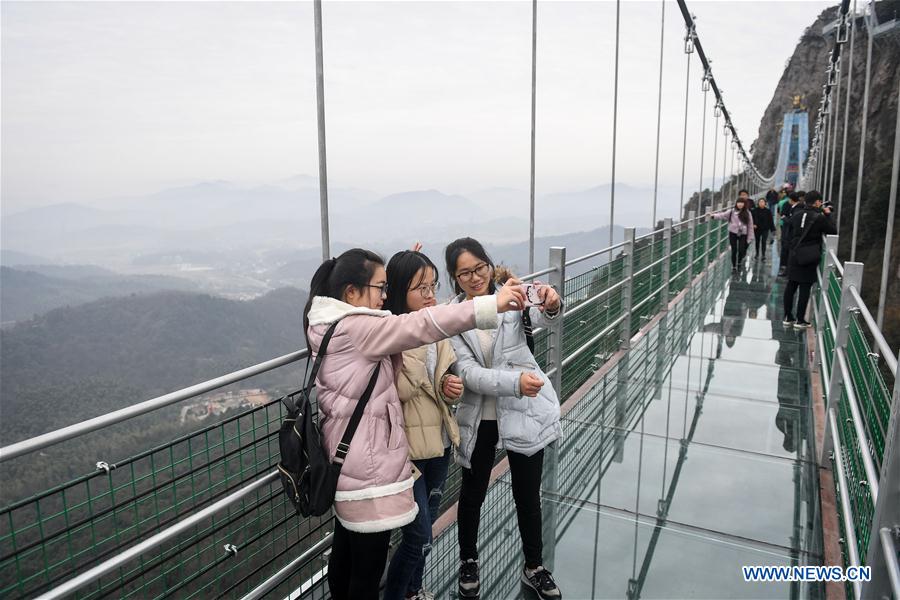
(807, 229)
(344, 446)
(323, 347)
(529, 329)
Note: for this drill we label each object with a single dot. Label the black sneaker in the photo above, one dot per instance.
(469, 581)
(782, 272)
(788, 321)
(541, 581)
(802, 325)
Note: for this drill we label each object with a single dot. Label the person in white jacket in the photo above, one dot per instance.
(507, 402)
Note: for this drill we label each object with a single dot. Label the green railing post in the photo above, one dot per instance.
(853, 272)
(886, 519)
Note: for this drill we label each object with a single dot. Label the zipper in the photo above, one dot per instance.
(293, 484)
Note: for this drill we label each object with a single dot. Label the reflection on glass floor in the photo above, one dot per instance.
(689, 459)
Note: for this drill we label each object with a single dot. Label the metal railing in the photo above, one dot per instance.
(204, 514)
(862, 436)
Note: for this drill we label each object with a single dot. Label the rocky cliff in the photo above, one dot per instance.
(805, 74)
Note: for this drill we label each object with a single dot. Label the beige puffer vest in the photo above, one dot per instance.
(426, 411)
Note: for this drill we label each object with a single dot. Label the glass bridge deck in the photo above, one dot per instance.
(690, 458)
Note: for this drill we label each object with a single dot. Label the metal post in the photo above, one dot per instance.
(550, 476)
(667, 264)
(533, 117)
(320, 113)
(691, 228)
(853, 272)
(831, 243)
(862, 135)
(612, 187)
(558, 280)
(889, 234)
(852, 25)
(627, 289)
(887, 506)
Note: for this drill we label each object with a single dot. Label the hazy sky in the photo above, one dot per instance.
(106, 99)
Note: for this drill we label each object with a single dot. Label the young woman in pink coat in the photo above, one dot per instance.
(374, 491)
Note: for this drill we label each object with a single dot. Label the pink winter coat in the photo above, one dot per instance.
(735, 225)
(374, 491)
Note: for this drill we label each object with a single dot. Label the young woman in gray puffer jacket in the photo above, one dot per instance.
(507, 402)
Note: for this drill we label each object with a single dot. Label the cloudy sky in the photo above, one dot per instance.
(109, 99)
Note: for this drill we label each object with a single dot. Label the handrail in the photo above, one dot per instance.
(849, 532)
(836, 262)
(593, 340)
(163, 536)
(575, 309)
(595, 253)
(883, 346)
(890, 559)
(284, 572)
(141, 408)
(861, 437)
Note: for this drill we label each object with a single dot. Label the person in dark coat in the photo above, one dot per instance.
(785, 207)
(809, 225)
(763, 223)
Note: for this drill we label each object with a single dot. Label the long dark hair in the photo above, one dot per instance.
(353, 268)
(453, 252)
(744, 213)
(401, 270)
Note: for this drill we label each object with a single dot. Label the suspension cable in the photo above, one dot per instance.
(846, 120)
(662, 38)
(687, 95)
(533, 119)
(705, 87)
(612, 187)
(862, 135)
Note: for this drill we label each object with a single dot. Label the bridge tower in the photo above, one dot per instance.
(794, 146)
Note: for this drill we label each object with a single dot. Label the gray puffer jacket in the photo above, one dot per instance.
(526, 425)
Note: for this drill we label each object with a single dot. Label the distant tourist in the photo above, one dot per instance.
(763, 223)
(375, 488)
(772, 197)
(427, 388)
(507, 402)
(809, 225)
(740, 228)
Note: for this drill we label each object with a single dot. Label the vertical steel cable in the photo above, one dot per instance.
(662, 38)
(702, 147)
(889, 234)
(824, 143)
(687, 90)
(829, 186)
(724, 164)
(612, 187)
(533, 118)
(840, 199)
(715, 152)
(320, 114)
(862, 135)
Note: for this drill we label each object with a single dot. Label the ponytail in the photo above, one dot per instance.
(353, 268)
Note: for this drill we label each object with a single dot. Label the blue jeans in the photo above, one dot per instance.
(408, 564)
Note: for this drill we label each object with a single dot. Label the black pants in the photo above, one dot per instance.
(738, 248)
(356, 563)
(526, 488)
(761, 238)
(802, 301)
(785, 250)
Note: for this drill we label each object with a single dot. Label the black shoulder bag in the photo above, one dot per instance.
(309, 478)
(809, 254)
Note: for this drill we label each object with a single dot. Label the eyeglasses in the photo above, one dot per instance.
(383, 288)
(427, 290)
(481, 270)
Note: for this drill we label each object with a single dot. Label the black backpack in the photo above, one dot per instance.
(529, 330)
(309, 478)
